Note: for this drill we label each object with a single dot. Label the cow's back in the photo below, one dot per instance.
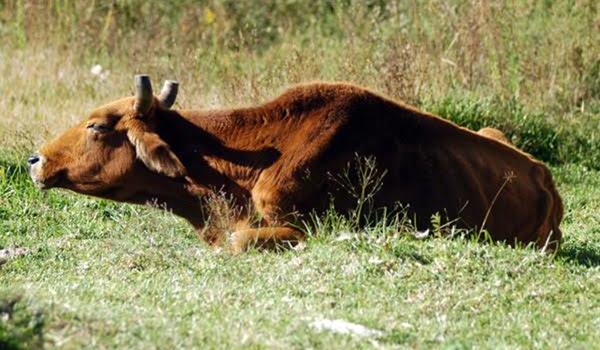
(435, 166)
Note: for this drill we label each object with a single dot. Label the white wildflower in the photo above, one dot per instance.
(375, 260)
(96, 70)
(99, 72)
(344, 236)
(421, 234)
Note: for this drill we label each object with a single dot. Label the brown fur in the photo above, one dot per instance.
(277, 156)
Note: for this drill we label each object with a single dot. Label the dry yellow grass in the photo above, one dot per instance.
(544, 55)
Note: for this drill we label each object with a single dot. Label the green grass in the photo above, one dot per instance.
(102, 274)
(568, 141)
(107, 275)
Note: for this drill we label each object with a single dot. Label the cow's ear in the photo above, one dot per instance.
(155, 153)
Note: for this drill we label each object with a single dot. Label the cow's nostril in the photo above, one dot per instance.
(33, 159)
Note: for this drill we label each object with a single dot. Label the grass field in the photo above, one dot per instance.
(99, 274)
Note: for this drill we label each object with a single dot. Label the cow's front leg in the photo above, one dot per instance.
(280, 209)
(267, 238)
(275, 232)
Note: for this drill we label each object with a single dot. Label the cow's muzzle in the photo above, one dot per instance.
(35, 163)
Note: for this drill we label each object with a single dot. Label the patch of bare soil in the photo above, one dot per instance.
(11, 253)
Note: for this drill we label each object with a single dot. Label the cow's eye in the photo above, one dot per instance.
(99, 127)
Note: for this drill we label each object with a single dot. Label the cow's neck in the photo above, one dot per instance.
(219, 150)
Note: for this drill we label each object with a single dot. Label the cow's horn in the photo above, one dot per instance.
(143, 93)
(168, 94)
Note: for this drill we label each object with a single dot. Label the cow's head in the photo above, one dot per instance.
(101, 155)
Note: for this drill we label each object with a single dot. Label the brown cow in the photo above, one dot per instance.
(279, 157)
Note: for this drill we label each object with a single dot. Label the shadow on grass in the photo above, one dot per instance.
(583, 254)
(19, 328)
(13, 170)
